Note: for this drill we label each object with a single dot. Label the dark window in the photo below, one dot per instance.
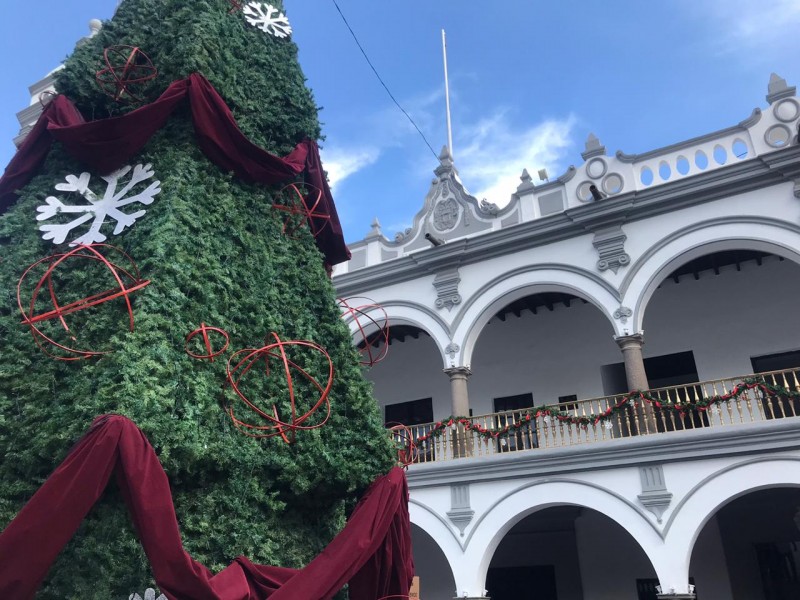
(518, 402)
(661, 371)
(776, 407)
(568, 402)
(782, 361)
(410, 413)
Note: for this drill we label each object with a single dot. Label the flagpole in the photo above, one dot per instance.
(447, 96)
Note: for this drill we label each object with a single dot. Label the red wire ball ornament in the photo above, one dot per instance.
(403, 439)
(210, 353)
(125, 68)
(300, 209)
(127, 280)
(272, 423)
(372, 325)
(235, 5)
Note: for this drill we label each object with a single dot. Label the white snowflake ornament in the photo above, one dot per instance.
(267, 18)
(97, 208)
(149, 594)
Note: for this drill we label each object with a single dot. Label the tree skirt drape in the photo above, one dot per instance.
(372, 552)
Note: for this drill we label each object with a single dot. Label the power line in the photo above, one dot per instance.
(374, 70)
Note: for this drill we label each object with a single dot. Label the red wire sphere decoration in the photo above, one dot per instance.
(241, 362)
(204, 330)
(300, 209)
(235, 5)
(127, 280)
(125, 67)
(403, 439)
(372, 325)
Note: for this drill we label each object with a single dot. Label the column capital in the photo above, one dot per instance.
(457, 372)
(635, 340)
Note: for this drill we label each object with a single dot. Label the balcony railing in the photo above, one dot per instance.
(707, 404)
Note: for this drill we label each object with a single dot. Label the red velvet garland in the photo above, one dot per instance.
(107, 144)
(372, 552)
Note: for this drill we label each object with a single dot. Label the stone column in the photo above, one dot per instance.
(631, 346)
(459, 397)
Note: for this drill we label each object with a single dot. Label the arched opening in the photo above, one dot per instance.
(431, 566)
(723, 314)
(569, 553)
(408, 382)
(750, 548)
(542, 348)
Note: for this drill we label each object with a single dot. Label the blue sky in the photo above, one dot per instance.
(529, 80)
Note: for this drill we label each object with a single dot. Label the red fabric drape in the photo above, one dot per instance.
(107, 144)
(372, 552)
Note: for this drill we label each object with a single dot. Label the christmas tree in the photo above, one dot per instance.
(215, 251)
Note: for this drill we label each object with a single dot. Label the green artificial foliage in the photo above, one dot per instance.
(214, 251)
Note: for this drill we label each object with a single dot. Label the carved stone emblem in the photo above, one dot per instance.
(445, 214)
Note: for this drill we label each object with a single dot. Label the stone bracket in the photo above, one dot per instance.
(460, 513)
(654, 497)
(446, 284)
(610, 245)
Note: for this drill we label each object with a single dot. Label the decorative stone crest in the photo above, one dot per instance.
(451, 349)
(610, 245)
(622, 314)
(445, 214)
(446, 285)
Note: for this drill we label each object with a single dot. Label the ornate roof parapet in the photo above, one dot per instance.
(449, 212)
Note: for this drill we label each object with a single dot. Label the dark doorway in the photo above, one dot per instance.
(513, 409)
(662, 371)
(522, 583)
(779, 565)
(415, 412)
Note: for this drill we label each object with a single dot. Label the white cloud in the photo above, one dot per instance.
(497, 152)
(340, 163)
(742, 25)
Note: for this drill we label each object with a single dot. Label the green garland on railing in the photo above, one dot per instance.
(630, 400)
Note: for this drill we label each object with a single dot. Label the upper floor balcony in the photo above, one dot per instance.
(734, 402)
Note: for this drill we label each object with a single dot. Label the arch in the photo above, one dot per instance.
(706, 237)
(416, 315)
(510, 509)
(706, 498)
(438, 529)
(518, 283)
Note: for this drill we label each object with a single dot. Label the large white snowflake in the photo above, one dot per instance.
(97, 208)
(267, 18)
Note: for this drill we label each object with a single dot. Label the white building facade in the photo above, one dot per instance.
(676, 271)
